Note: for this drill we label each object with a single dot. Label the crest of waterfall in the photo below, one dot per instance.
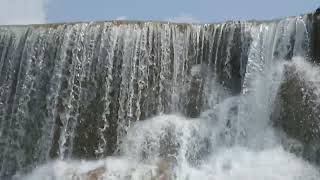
(148, 100)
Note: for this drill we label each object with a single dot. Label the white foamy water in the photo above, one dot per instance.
(228, 164)
(219, 145)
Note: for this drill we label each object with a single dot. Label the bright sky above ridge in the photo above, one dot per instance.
(51, 11)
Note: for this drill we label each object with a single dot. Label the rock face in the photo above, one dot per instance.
(315, 35)
(298, 111)
(300, 103)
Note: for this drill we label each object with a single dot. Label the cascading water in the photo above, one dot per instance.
(153, 100)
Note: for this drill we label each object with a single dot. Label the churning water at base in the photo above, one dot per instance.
(233, 140)
(227, 164)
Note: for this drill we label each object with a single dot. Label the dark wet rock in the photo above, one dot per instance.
(297, 114)
(194, 100)
(315, 35)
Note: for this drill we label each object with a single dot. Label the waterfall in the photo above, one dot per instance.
(149, 100)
